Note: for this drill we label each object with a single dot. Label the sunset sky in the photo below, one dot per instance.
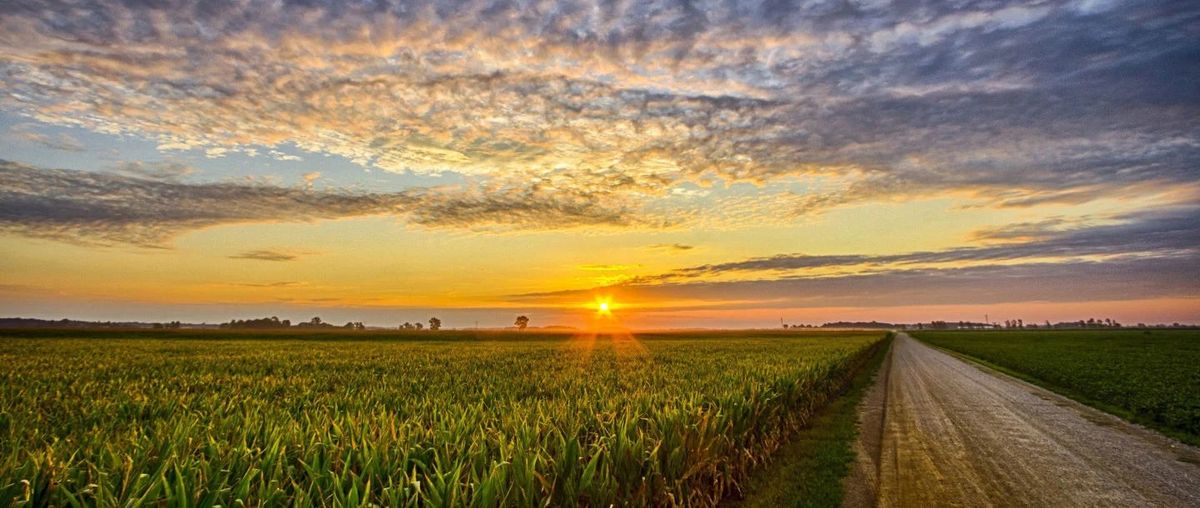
(701, 163)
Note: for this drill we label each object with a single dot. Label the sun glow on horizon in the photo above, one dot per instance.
(605, 323)
(604, 306)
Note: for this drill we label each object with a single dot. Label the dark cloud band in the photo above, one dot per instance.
(1075, 281)
(1159, 233)
(99, 208)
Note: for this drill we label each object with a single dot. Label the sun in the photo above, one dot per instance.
(604, 306)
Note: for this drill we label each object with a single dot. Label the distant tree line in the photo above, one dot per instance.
(18, 322)
(950, 325)
(859, 324)
(1014, 324)
(273, 322)
(263, 323)
(1020, 324)
(1090, 323)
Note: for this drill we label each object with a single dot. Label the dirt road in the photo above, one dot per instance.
(938, 431)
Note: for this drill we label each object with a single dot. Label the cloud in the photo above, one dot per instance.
(264, 255)
(521, 208)
(107, 208)
(1028, 231)
(607, 267)
(159, 170)
(310, 178)
(676, 247)
(110, 208)
(1163, 233)
(1141, 255)
(1020, 105)
(61, 141)
(937, 30)
(280, 284)
(1047, 282)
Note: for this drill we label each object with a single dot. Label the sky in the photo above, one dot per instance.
(720, 163)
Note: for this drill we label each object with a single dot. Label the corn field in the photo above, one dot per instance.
(239, 420)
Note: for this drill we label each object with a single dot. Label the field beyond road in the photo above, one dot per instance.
(1150, 377)
(421, 419)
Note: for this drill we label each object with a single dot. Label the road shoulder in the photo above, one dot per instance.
(809, 470)
(861, 486)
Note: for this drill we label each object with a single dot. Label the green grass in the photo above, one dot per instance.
(808, 470)
(447, 419)
(1150, 377)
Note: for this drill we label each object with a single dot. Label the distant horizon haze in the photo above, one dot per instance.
(1124, 312)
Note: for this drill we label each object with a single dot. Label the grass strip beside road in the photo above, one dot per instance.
(808, 470)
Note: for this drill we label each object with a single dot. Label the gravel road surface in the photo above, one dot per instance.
(939, 431)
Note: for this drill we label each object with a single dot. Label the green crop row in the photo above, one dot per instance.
(182, 422)
(1148, 376)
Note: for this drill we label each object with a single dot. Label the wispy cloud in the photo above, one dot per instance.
(607, 267)
(675, 247)
(104, 207)
(280, 284)
(1143, 255)
(1127, 279)
(158, 170)
(265, 255)
(1163, 233)
(60, 141)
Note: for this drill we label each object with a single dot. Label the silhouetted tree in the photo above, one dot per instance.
(435, 324)
(522, 322)
(418, 325)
